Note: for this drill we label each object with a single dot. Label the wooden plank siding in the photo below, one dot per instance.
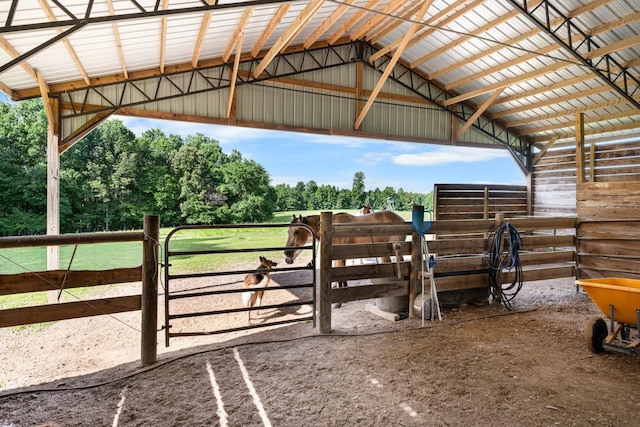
(479, 201)
(608, 232)
(548, 252)
(553, 183)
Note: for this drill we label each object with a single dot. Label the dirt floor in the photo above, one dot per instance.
(483, 366)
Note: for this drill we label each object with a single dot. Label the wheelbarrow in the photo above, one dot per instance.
(619, 300)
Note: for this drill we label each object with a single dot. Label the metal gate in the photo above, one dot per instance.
(199, 268)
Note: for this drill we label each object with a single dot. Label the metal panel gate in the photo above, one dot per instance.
(204, 271)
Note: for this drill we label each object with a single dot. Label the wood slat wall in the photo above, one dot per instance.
(553, 183)
(608, 232)
(553, 179)
(548, 252)
(478, 201)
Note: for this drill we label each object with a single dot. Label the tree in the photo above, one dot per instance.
(357, 190)
(194, 179)
(247, 190)
(111, 169)
(23, 144)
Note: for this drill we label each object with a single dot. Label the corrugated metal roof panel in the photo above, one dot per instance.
(514, 48)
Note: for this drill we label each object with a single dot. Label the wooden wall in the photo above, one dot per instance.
(553, 183)
(479, 201)
(608, 210)
(608, 232)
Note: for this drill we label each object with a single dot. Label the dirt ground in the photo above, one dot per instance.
(483, 366)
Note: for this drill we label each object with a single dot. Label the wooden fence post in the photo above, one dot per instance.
(416, 268)
(499, 218)
(150, 270)
(324, 290)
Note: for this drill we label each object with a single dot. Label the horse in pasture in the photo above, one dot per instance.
(300, 236)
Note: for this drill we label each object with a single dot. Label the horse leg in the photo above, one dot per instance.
(339, 263)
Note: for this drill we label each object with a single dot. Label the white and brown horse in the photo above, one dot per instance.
(300, 236)
(366, 210)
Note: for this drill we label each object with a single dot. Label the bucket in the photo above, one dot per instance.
(419, 306)
(399, 304)
(393, 304)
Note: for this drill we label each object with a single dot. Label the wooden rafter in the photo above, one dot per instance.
(543, 89)
(163, 37)
(598, 130)
(547, 102)
(301, 20)
(392, 23)
(353, 21)
(375, 20)
(594, 119)
(479, 112)
(234, 73)
(273, 24)
(396, 56)
(44, 93)
(237, 35)
(440, 19)
(613, 47)
(508, 82)
(116, 34)
(67, 44)
(202, 34)
(543, 150)
(478, 31)
(83, 130)
(473, 58)
(322, 28)
(497, 68)
(514, 41)
(7, 47)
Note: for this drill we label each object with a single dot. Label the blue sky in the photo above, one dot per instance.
(292, 157)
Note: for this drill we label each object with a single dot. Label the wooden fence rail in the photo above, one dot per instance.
(548, 252)
(147, 273)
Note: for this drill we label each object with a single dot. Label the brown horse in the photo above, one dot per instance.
(300, 236)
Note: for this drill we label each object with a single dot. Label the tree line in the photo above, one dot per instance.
(111, 178)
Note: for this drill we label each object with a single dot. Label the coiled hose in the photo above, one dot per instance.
(501, 253)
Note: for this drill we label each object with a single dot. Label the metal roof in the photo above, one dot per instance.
(529, 65)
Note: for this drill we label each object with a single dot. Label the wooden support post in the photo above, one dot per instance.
(150, 273)
(416, 264)
(530, 193)
(486, 203)
(498, 292)
(53, 204)
(580, 148)
(324, 290)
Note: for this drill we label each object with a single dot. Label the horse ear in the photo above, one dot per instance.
(300, 219)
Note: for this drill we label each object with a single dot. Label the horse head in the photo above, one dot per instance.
(366, 209)
(298, 236)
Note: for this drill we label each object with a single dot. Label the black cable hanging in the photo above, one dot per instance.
(500, 254)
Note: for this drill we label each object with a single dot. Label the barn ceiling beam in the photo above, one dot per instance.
(92, 16)
(117, 95)
(396, 56)
(163, 37)
(582, 47)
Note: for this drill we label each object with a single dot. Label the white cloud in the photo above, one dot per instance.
(445, 155)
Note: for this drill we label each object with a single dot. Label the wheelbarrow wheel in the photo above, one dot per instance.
(595, 333)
